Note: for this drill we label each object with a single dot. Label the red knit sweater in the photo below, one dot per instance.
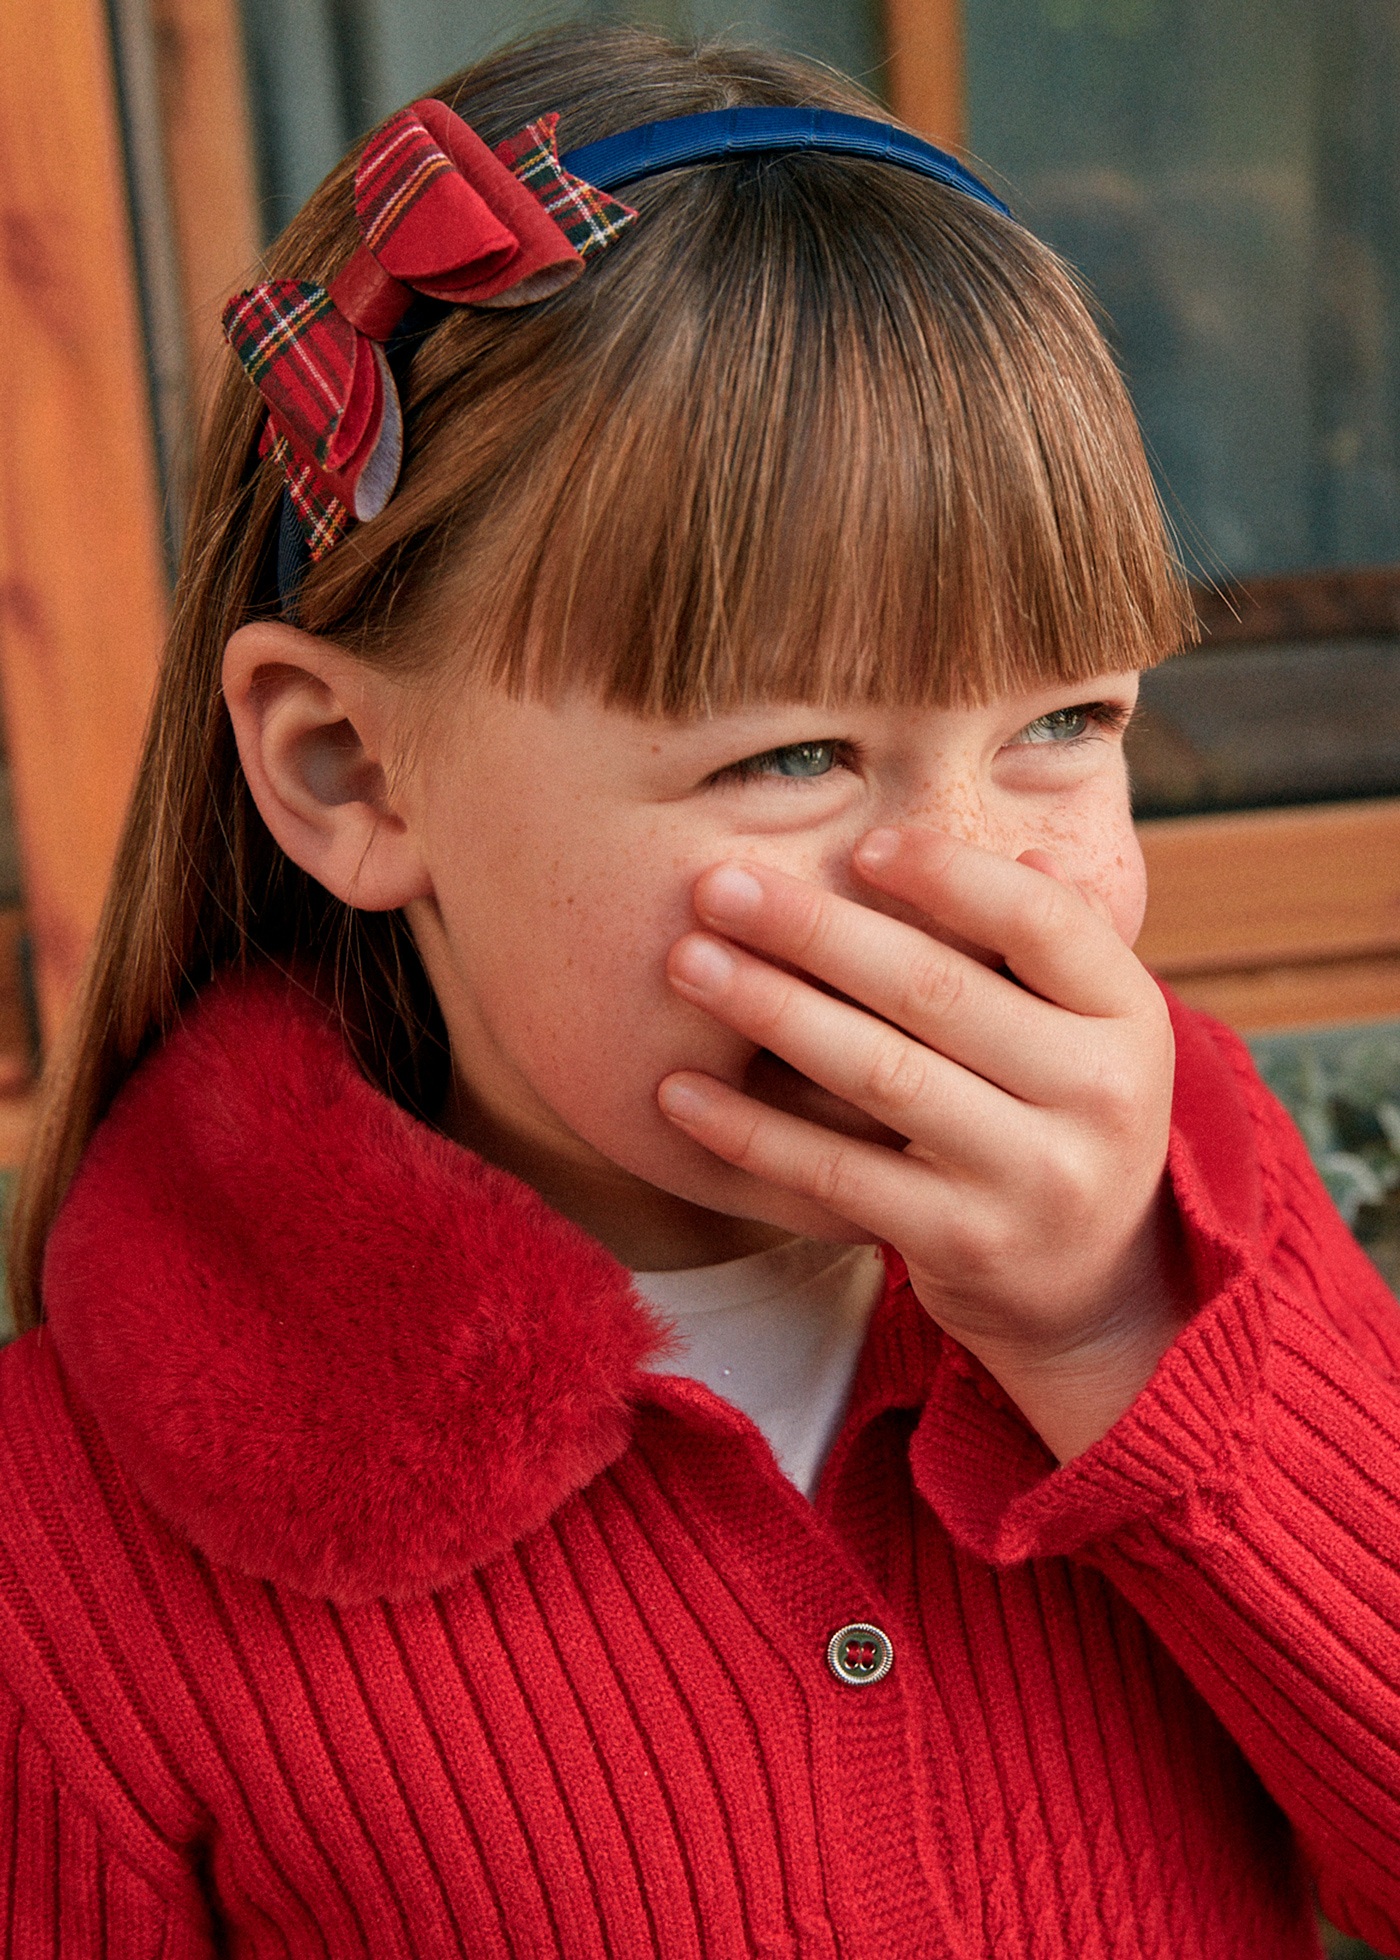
(359, 1595)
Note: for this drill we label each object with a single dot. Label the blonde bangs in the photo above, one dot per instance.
(859, 439)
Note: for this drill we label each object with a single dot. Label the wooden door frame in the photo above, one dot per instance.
(84, 570)
(924, 68)
(81, 560)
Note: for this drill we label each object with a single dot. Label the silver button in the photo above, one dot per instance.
(859, 1654)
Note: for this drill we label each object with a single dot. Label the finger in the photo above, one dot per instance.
(867, 1184)
(948, 1113)
(1048, 863)
(943, 997)
(1045, 861)
(1049, 937)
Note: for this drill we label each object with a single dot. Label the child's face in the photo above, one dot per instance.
(563, 842)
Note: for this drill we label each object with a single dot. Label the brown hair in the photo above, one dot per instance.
(813, 428)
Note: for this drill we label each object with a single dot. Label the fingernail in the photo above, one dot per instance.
(877, 847)
(680, 1099)
(728, 892)
(702, 964)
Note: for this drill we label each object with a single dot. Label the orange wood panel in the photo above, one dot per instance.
(1270, 888)
(209, 158)
(16, 1128)
(1314, 995)
(924, 52)
(82, 586)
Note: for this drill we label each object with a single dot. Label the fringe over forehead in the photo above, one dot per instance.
(817, 429)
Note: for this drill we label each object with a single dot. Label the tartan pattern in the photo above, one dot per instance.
(394, 172)
(297, 348)
(262, 325)
(324, 519)
(588, 218)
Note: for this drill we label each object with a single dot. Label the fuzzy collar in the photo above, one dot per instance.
(330, 1347)
(337, 1351)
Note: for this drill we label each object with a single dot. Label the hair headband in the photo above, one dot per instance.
(724, 134)
(446, 221)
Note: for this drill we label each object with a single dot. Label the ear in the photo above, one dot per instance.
(315, 731)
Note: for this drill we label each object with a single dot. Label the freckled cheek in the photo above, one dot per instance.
(610, 1007)
(1094, 840)
(586, 1005)
(1114, 872)
(1131, 904)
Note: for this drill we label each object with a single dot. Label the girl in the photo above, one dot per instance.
(637, 783)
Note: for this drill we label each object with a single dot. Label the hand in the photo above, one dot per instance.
(1028, 1201)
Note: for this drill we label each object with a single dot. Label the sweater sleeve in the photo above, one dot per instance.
(64, 1891)
(1247, 1504)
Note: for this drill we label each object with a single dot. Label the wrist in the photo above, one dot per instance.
(1072, 1396)
(1072, 1385)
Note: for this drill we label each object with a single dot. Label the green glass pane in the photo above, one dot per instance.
(1226, 178)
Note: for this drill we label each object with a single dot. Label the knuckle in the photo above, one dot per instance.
(1116, 1087)
(1044, 910)
(746, 1153)
(896, 1076)
(1106, 1077)
(1070, 1190)
(775, 1014)
(1047, 922)
(1121, 1094)
(936, 986)
(827, 1179)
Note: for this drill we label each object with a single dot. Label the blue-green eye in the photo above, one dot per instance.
(798, 761)
(1064, 725)
(802, 759)
(1072, 724)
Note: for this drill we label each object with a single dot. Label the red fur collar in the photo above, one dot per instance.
(330, 1347)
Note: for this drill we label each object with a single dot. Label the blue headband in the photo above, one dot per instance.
(724, 134)
(720, 136)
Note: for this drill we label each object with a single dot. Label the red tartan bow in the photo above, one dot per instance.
(440, 214)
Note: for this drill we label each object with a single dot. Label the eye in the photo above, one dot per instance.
(796, 761)
(1072, 724)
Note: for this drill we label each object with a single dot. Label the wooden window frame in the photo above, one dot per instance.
(1288, 917)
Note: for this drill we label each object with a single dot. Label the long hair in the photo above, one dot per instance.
(814, 428)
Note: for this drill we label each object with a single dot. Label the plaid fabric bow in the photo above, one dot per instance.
(439, 214)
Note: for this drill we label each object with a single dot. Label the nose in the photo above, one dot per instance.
(955, 809)
(952, 802)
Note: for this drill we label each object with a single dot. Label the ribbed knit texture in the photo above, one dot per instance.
(1139, 1705)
